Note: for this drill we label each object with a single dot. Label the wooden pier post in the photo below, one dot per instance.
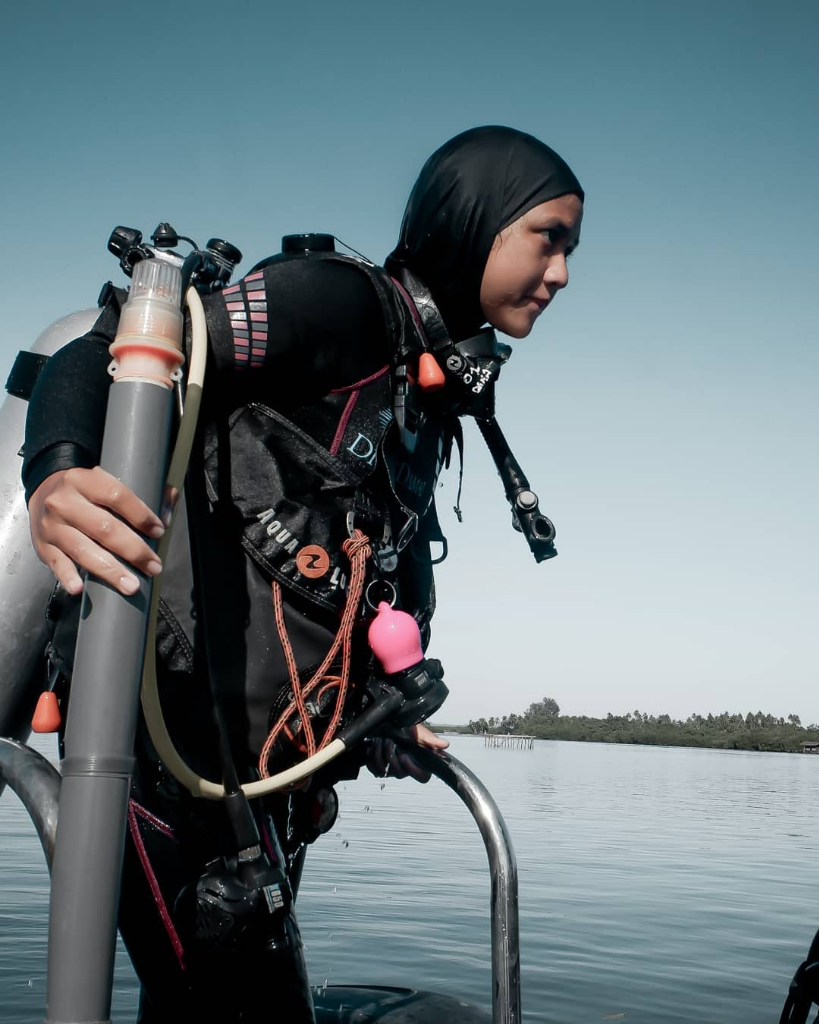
(511, 740)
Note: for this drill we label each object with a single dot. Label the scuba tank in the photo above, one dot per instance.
(26, 584)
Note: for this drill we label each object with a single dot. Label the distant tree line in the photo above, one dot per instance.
(753, 731)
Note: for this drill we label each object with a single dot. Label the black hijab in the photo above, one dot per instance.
(470, 189)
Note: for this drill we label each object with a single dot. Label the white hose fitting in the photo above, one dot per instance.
(148, 345)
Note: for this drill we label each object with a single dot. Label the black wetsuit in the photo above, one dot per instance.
(298, 350)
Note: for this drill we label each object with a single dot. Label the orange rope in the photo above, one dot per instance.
(292, 669)
(358, 550)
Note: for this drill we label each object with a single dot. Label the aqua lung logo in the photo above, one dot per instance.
(312, 561)
(278, 532)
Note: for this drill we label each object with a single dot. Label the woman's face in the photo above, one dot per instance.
(527, 265)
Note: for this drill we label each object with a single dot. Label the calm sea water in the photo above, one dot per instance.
(662, 884)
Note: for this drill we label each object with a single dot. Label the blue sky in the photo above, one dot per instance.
(664, 408)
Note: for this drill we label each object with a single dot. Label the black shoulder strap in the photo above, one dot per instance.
(24, 373)
(111, 300)
(28, 366)
(399, 324)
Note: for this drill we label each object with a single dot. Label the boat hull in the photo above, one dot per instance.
(374, 1004)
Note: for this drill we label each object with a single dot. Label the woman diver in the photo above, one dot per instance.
(338, 390)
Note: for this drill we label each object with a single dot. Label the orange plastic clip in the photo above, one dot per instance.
(430, 375)
(47, 717)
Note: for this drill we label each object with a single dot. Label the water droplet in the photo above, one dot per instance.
(345, 843)
(367, 809)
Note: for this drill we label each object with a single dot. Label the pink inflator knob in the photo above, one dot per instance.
(395, 639)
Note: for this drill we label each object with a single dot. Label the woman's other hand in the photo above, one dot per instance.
(385, 759)
(87, 518)
(425, 737)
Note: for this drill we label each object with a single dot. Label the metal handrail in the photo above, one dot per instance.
(37, 783)
(504, 871)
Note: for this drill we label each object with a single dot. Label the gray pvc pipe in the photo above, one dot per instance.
(100, 732)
